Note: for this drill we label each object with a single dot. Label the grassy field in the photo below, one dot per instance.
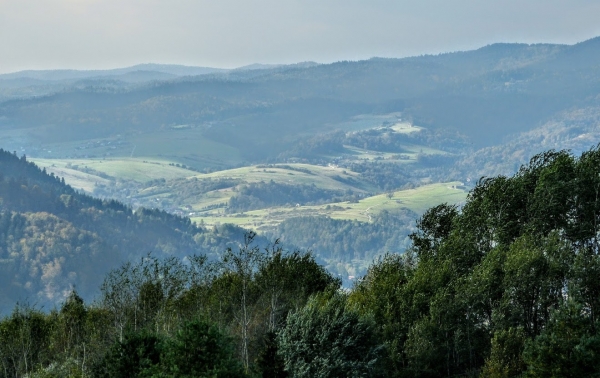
(362, 154)
(405, 128)
(329, 177)
(137, 169)
(322, 177)
(410, 156)
(417, 200)
(78, 180)
(299, 174)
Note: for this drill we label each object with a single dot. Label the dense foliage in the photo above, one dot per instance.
(342, 240)
(382, 139)
(261, 195)
(573, 129)
(327, 338)
(163, 317)
(506, 286)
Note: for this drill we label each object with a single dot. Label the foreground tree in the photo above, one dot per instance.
(199, 349)
(567, 347)
(241, 265)
(136, 354)
(505, 286)
(327, 338)
(24, 342)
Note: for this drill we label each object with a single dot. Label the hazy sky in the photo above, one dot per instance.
(92, 34)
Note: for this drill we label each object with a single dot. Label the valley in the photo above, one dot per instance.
(375, 170)
(336, 168)
(161, 185)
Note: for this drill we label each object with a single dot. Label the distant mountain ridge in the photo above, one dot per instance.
(487, 94)
(68, 74)
(173, 70)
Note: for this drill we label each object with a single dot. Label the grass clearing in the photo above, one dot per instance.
(417, 200)
(137, 169)
(405, 128)
(396, 157)
(78, 180)
(306, 174)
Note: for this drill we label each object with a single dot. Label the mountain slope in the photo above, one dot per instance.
(576, 130)
(53, 238)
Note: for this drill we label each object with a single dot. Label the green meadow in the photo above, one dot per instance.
(325, 177)
(137, 169)
(417, 200)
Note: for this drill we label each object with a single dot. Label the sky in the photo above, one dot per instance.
(102, 34)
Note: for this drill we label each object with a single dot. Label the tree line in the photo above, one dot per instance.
(168, 317)
(507, 286)
(338, 240)
(260, 195)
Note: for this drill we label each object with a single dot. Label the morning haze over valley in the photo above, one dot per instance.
(299, 190)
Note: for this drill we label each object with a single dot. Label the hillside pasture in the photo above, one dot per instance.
(417, 200)
(137, 169)
(209, 207)
(370, 155)
(77, 179)
(405, 128)
(325, 177)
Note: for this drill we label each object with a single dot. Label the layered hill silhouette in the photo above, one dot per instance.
(486, 94)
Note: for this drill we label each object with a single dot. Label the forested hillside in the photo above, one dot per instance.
(574, 129)
(53, 238)
(507, 285)
(342, 241)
